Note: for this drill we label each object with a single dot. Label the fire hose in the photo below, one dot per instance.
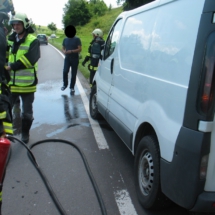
(4, 153)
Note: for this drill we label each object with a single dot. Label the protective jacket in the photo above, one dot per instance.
(23, 57)
(5, 104)
(94, 53)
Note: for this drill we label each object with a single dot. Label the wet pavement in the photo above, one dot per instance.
(58, 116)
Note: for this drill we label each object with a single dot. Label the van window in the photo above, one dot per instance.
(149, 47)
(136, 40)
(112, 39)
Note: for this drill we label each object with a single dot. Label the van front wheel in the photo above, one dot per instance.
(147, 174)
(93, 104)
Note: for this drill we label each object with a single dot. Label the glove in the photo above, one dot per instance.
(83, 63)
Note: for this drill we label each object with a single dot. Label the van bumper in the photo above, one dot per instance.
(205, 202)
(180, 179)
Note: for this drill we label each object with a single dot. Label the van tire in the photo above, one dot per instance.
(149, 188)
(93, 103)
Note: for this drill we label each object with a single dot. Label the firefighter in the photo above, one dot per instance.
(94, 53)
(23, 57)
(6, 6)
(5, 103)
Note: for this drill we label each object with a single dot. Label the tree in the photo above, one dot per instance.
(76, 12)
(52, 27)
(97, 7)
(131, 4)
(110, 7)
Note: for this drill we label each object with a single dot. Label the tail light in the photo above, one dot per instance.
(207, 96)
(207, 85)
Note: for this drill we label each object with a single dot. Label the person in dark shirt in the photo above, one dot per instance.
(71, 48)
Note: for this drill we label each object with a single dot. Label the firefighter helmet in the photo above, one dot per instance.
(98, 32)
(6, 6)
(3, 16)
(20, 17)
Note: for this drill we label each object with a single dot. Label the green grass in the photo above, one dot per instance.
(84, 33)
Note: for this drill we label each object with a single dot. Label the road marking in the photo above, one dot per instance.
(124, 203)
(98, 134)
(122, 197)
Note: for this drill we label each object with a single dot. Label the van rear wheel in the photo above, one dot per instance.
(93, 104)
(147, 174)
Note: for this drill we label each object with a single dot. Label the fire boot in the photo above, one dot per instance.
(26, 125)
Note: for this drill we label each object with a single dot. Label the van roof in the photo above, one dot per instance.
(142, 8)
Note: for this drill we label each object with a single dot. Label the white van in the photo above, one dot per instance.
(155, 86)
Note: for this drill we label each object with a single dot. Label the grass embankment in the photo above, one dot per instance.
(84, 33)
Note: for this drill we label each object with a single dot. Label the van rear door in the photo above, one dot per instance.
(200, 104)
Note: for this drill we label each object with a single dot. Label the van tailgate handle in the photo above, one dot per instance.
(111, 66)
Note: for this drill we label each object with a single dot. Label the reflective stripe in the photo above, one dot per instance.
(24, 72)
(3, 115)
(25, 61)
(1, 196)
(23, 77)
(23, 47)
(8, 131)
(19, 89)
(8, 127)
(93, 68)
(23, 81)
(95, 56)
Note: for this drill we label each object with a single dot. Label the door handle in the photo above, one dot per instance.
(111, 66)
